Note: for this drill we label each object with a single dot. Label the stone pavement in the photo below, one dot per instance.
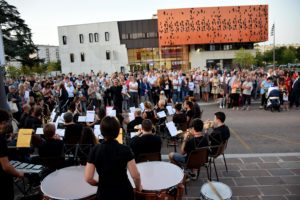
(255, 176)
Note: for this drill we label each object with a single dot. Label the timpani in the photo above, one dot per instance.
(68, 183)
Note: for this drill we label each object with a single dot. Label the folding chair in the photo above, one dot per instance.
(220, 149)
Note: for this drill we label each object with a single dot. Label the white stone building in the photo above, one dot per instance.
(94, 46)
(48, 52)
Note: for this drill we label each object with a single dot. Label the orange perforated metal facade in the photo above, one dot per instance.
(213, 25)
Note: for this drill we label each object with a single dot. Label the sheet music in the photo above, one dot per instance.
(39, 131)
(108, 109)
(97, 132)
(112, 113)
(172, 128)
(133, 134)
(82, 119)
(142, 106)
(161, 114)
(24, 137)
(60, 132)
(90, 116)
(131, 116)
(171, 110)
(132, 109)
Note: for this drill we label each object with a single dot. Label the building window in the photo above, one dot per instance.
(57, 54)
(125, 36)
(96, 37)
(82, 57)
(212, 47)
(107, 55)
(81, 38)
(71, 57)
(64, 40)
(106, 36)
(91, 37)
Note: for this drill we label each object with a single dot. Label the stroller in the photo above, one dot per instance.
(273, 100)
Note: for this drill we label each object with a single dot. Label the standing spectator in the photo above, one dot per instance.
(247, 89)
(14, 97)
(205, 88)
(215, 90)
(235, 93)
(106, 93)
(63, 98)
(133, 92)
(176, 89)
(265, 85)
(296, 91)
(145, 90)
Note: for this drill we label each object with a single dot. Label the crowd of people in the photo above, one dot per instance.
(33, 99)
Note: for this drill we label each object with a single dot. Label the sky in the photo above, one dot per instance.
(44, 16)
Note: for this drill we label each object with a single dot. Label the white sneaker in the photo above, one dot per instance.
(221, 107)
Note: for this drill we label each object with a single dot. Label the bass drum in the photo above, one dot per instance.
(207, 192)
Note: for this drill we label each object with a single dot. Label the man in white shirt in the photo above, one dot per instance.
(247, 89)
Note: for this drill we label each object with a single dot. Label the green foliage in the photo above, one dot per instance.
(54, 66)
(283, 55)
(25, 70)
(16, 35)
(244, 58)
(40, 69)
(13, 71)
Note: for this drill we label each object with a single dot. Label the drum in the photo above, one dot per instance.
(207, 191)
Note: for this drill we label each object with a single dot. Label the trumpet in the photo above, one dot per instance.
(208, 124)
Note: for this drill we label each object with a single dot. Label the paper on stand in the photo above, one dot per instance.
(172, 128)
(133, 134)
(170, 110)
(60, 132)
(82, 119)
(131, 116)
(24, 137)
(132, 109)
(142, 106)
(112, 113)
(39, 131)
(90, 116)
(161, 114)
(97, 132)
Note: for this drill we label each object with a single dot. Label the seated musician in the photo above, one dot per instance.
(179, 118)
(161, 106)
(220, 133)
(192, 139)
(52, 145)
(72, 130)
(145, 141)
(35, 119)
(137, 120)
(148, 112)
(188, 105)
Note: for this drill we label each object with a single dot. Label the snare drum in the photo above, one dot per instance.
(207, 193)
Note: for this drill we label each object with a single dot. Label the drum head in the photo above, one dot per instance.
(224, 191)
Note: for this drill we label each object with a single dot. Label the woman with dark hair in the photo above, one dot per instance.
(111, 161)
(63, 97)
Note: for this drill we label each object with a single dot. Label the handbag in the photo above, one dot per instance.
(13, 107)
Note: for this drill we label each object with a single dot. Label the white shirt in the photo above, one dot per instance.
(191, 86)
(133, 85)
(247, 84)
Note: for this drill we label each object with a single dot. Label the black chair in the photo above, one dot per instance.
(198, 158)
(215, 153)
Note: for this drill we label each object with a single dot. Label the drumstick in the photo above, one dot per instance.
(213, 188)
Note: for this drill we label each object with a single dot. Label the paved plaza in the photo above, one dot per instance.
(263, 155)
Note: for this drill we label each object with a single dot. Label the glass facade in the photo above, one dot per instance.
(176, 57)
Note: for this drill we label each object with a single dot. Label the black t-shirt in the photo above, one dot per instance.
(193, 143)
(145, 144)
(33, 122)
(110, 159)
(51, 148)
(133, 123)
(219, 135)
(179, 118)
(6, 180)
(72, 133)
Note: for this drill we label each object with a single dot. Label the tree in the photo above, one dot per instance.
(288, 56)
(16, 35)
(244, 58)
(54, 66)
(13, 71)
(259, 59)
